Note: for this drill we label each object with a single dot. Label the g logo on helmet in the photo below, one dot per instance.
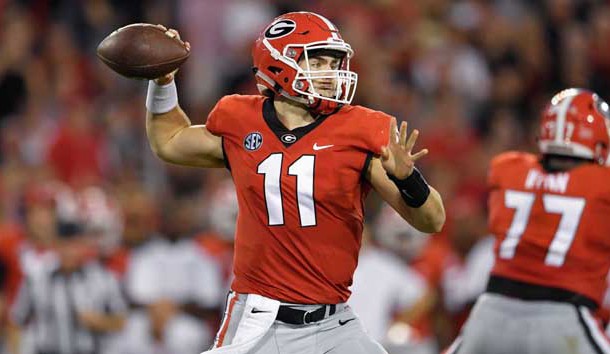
(280, 29)
(253, 141)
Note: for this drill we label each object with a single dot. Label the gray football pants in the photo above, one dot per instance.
(327, 336)
(503, 325)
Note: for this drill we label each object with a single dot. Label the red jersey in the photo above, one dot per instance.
(11, 243)
(552, 228)
(300, 195)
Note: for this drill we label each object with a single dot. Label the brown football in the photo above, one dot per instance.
(142, 51)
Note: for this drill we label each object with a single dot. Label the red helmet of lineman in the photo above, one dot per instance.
(576, 123)
(298, 36)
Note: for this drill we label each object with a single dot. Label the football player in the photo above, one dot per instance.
(549, 213)
(302, 160)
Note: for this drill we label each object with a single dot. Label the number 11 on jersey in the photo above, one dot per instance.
(303, 170)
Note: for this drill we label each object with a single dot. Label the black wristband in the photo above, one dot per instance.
(413, 189)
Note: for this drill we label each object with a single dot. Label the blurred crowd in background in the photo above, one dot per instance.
(79, 185)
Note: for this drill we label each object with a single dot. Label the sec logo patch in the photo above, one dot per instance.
(253, 141)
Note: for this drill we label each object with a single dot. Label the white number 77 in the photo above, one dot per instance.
(570, 208)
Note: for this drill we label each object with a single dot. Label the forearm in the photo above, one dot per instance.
(108, 323)
(199, 311)
(113, 323)
(13, 338)
(421, 308)
(426, 213)
(430, 217)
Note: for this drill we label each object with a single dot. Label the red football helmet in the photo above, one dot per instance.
(576, 123)
(293, 37)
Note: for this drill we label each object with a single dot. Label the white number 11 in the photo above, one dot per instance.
(303, 170)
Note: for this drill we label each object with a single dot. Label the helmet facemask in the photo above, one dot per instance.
(341, 81)
(344, 80)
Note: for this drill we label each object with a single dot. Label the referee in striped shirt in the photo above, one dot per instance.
(67, 304)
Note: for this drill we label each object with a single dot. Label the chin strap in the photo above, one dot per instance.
(316, 105)
(324, 107)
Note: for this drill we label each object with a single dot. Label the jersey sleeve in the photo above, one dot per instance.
(377, 131)
(219, 119)
(493, 175)
(500, 165)
(503, 167)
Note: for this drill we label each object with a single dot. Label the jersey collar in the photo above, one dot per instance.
(280, 131)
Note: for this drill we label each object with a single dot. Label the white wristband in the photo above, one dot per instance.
(161, 99)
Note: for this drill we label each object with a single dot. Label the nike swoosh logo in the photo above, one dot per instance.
(320, 147)
(342, 323)
(254, 310)
(407, 194)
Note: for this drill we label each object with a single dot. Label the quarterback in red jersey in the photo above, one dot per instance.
(550, 216)
(303, 160)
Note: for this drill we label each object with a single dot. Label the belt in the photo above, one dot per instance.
(294, 316)
(532, 292)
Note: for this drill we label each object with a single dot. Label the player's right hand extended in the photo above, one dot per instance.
(398, 158)
(166, 79)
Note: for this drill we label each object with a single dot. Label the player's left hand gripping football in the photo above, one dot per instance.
(397, 158)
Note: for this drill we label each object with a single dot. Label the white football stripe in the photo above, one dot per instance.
(330, 25)
(562, 110)
(597, 334)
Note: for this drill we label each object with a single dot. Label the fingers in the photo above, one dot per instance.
(175, 33)
(403, 133)
(385, 153)
(166, 79)
(419, 155)
(412, 139)
(393, 130)
(402, 138)
(172, 33)
(406, 144)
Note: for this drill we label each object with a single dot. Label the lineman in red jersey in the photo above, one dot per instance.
(302, 159)
(550, 216)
